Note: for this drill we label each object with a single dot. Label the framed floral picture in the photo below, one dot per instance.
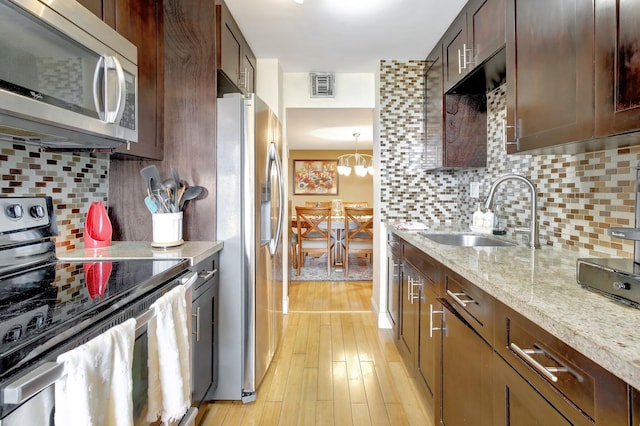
(315, 177)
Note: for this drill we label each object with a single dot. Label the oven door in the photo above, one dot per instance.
(34, 391)
(140, 371)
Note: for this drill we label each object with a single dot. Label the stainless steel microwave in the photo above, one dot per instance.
(67, 79)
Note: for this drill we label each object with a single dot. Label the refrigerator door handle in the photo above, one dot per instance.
(274, 159)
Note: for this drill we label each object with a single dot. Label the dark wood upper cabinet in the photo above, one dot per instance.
(550, 90)
(573, 83)
(455, 124)
(617, 61)
(234, 56)
(476, 34)
(103, 9)
(433, 109)
(140, 22)
(486, 20)
(457, 56)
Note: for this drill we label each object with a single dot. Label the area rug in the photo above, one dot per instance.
(315, 269)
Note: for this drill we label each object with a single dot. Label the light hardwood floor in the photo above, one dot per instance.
(334, 366)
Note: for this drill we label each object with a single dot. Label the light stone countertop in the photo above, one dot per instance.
(541, 285)
(195, 251)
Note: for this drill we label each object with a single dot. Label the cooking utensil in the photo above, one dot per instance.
(176, 180)
(172, 191)
(151, 205)
(160, 195)
(190, 193)
(150, 172)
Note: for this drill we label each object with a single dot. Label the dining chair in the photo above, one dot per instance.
(358, 231)
(316, 204)
(357, 204)
(314, 234)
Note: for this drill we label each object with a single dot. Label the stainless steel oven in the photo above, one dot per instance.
(48, 307)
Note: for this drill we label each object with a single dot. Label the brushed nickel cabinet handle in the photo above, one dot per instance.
(197, 317)
(545, 371)
(456, 297)
(431, 327)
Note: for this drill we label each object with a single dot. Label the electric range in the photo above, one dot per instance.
(49, 306)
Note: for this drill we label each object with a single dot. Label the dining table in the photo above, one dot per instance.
(338, 230)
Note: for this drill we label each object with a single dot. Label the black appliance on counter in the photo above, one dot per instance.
(617, 279)
(48, 307)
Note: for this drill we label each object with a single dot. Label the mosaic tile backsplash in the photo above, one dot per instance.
(72, 180)
(580, 196)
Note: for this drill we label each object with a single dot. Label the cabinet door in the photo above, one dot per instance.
(456, 52)
(486, 20)
(393, 288)
(466, 374)
(617, 67)
(202, 342)
(140, 21)
(230, 53)
(516, 402)
(549, 72)
(103, 9)
(229, 43)
(248, 73)
(409, 309)
(430, 326)
(434, 109)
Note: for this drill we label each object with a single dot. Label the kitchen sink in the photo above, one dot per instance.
(465, 240)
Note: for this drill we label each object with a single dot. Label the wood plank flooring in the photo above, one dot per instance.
(333, 367)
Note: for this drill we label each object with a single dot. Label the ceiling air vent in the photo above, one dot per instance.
(323, 85)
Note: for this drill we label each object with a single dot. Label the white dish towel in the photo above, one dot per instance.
(169, 361)
(96, 389)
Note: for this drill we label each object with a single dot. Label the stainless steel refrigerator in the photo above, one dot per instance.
(250, 218)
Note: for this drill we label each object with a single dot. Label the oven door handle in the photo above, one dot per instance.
(35, 381)
(31, 383)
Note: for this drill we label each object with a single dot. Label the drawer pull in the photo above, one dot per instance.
(545, 371)
(456, 297)
(205, 275)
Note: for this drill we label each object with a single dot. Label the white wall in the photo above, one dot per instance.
(269, 84)
(353, 90)
(292, 90)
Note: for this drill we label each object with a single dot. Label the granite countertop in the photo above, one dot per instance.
(195, 251)
(541, 285)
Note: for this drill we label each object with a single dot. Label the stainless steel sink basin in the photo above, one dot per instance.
(465, 240)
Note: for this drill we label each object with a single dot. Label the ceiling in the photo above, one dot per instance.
(340, 36)
(329, 128)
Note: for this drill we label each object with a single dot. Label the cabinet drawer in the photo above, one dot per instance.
(472, 303)
(394, 243)
(559, 372)
(428, 268)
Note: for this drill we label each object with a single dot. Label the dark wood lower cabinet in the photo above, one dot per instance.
(466, 373)
(409, 311)
(516, 402)
(478, 362)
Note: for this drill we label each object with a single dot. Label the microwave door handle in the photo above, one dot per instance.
(114, 115)
(98, 90)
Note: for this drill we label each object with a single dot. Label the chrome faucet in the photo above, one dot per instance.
(534, 241)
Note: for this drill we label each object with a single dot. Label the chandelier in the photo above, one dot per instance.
(362, 163)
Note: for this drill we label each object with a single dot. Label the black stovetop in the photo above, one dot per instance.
(42, 307)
